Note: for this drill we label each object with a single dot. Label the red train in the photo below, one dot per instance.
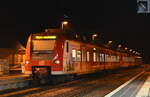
(52, 53)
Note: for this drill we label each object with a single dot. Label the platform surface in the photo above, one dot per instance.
(4, 77)
(139, 86)
(14, 81)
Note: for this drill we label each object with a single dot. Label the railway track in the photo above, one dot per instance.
(75, 88)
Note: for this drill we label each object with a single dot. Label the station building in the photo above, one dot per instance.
(12, 58)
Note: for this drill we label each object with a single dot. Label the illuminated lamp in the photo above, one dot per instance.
(65, 22)
(56, 61)
(94, 49)
(27, 62)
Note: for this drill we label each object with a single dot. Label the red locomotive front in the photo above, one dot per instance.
(44, 53)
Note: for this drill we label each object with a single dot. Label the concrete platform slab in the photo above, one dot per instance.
(14, 81)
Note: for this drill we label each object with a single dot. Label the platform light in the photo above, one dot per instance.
(125, 48)
(45, 37)
(119, 46)
(137, 53)
(94, 36)
(94, 49)
(63, 23)
(134, 51)
(110, 42)
(130, 50)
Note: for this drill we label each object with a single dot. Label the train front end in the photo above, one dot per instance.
(44, 55)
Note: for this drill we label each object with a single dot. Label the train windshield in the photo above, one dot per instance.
(42, 49)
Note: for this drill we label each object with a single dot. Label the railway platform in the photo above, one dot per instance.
(139, 86)
(13, 81)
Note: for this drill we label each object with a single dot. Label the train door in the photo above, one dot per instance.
(72, 57)
(75, 56)
(67, 60)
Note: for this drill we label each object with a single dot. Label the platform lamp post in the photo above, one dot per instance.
(63, 24)
(110, 43)
(94, 36)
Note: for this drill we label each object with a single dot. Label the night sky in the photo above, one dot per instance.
(114, 20)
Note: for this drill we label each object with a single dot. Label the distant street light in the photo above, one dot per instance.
(119, 47)
(134, 51)
(125, 48)
(63, 24)
(110, 42)
(130, 50)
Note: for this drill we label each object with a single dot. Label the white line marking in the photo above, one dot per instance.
(119, 88)
(145, 89)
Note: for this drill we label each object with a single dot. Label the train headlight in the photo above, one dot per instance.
(56, 61)
(27, 62)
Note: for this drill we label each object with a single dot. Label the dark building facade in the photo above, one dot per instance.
(15, 56)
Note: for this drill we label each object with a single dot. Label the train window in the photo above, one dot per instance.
(124, 59)
(84, 55)
(39, 45)
(118, 58)
(107, 58)
(73, 55)
(88, 56)
(132, 60)
(94, 56)
(78, 55)
(41, 50)
(102, 57)
(113, 58)
(128, 59)
(97, 57)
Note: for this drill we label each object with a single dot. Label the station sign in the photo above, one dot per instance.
(45, 37)
(143, 6)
